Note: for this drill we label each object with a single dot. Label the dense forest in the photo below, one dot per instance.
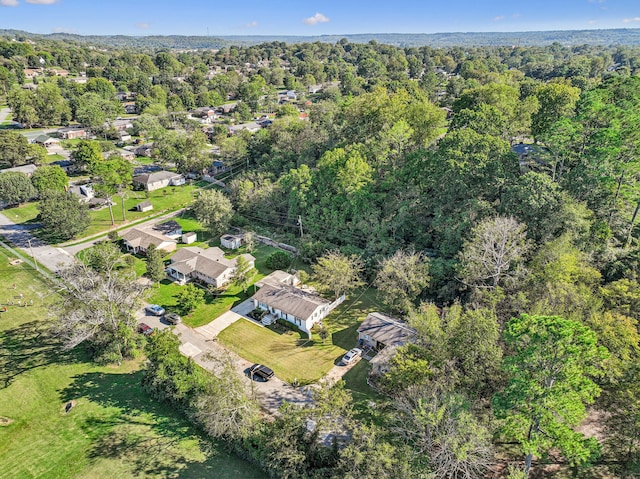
(517, 267)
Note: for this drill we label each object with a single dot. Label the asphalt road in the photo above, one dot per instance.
(21, 237)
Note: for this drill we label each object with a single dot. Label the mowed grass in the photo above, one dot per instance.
(163, 200)
(291, 355)
(165, 293)
(114, 429)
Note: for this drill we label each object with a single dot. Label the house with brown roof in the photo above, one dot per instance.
(71, 132)
(207, 265)
(138, 240)
(283, 299)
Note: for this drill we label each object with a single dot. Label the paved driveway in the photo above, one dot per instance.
(20, 235)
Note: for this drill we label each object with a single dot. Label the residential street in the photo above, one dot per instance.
(50, 257)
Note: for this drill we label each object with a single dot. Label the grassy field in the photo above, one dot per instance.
(166, 199)
(114, 429)
(291, 355)
(165, 292)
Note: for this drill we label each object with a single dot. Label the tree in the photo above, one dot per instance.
(87, 154)
(338, 273)
(16, 150)
(97, 309)
(555, 101)
(244, 273)
(250, 241)
(279, 260)
(50, 177)
(16, 188)
(62, 215)
(213, 209)
(22, 108)
(402, 277)
(493, 255)
(189, 298)
(115, 176)
(225, 408)
(551, 370)
(443, 432)
(155, 264)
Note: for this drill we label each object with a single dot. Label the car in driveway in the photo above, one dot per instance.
(144, 328)
(172, 318)
(261, 371)
(352, 356)
(154, 310)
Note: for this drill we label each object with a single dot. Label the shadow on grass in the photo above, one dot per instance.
(27, 347)
(346, 338)
(148, 435)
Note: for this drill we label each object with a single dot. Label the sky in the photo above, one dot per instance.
(308, 17)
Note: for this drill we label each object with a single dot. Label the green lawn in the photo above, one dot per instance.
(291, 355)
(23, 213)
(165, 199)
(114, 430)
(165, 292)
(54, 157)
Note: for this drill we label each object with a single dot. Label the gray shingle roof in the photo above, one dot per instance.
(290, 300)
(386, 330)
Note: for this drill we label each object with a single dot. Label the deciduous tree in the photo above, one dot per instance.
(402, 277)
(63, 215)
(213, 209)
(338, 273)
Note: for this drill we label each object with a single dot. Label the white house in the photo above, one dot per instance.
(207, 265)
(158, 179)
(138, 240)
(279, 295)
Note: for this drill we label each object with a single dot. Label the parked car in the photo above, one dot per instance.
(352, 356)
(172, 318)
(145, 329)
(261, 371)
(154, 310)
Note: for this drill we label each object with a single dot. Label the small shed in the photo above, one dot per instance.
(144, 206)
(231, 241)
(378, 331)
(190, 237)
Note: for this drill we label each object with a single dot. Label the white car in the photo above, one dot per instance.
(352, 356)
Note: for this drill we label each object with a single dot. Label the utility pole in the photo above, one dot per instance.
(300, 225)
(33, 255)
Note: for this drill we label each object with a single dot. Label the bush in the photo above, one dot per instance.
(279, 260)
(290, 326)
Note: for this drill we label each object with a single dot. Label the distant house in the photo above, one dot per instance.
(251, 127)
(59, 72)
(84, 192)
(124, 136)
(315, 89)
(227, 107)
(170, 228)
(45, 140)
(121, 125)
(144, 150)
(32, 73)
(138, 240)
(378, 331)
(156, 180)
(122, 153)
(206, 265)
(26, 169)
(144, 206)
(279, 295)
(231, 241)
(130, 108)
(67, 165)
(72, 133)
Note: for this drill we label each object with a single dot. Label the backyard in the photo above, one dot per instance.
(113, 430)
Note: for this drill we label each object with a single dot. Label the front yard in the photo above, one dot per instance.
(165, 292)
(291, 355)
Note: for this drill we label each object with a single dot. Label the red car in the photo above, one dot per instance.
(145, 329)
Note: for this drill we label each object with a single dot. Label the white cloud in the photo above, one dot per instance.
(42, 2)
(317, 18)
(629, 20)
(9, 3)
(253, 24)
(498, 18)
(142, 25)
